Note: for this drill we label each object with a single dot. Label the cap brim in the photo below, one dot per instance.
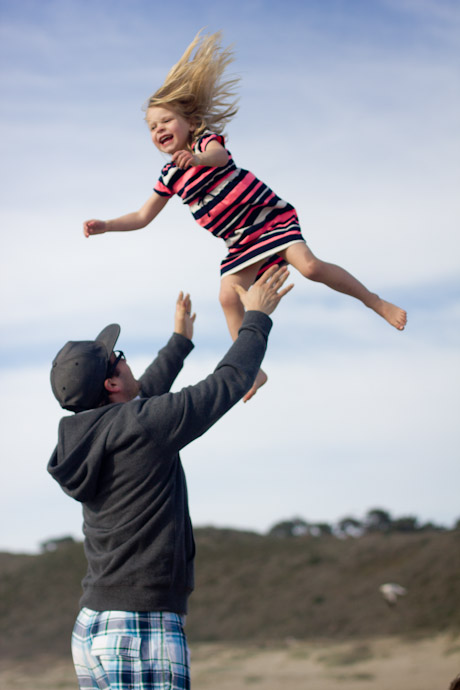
(109, 336)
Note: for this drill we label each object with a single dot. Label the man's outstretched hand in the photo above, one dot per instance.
(266, 293)
(183, 317)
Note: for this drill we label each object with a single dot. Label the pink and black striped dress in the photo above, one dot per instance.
(234, 205)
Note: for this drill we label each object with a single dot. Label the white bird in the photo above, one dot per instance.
(390, 591)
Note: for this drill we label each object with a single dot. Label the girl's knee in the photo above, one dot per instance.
(302, 258)
(228, 297)
(311, 268)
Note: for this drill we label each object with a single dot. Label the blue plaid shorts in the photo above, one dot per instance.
(125, 650)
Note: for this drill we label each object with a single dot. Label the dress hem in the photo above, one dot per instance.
(259, 257)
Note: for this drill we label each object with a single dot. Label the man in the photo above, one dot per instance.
(119, 456)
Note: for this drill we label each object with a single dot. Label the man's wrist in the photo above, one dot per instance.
(184, 335)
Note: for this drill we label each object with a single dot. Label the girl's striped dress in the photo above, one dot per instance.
(234, 205)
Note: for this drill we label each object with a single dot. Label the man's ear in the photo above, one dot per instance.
(111, 386)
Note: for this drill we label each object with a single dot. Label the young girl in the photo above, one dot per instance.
(186, 117)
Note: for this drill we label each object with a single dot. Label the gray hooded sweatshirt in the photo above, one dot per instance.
(121, 461)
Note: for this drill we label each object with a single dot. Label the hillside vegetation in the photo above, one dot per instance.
(258, 588)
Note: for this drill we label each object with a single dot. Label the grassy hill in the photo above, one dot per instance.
(250, 586)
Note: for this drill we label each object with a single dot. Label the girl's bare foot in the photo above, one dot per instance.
(261, 378)
(395, 316)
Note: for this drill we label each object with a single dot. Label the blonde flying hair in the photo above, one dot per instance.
(196, 89)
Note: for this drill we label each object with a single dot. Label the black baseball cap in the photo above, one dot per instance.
(80, 369)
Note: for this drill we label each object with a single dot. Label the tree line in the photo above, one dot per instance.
(376, 520)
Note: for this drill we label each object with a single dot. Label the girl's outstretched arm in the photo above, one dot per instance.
(215, 156)
(132, 221)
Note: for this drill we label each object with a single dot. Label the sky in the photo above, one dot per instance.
(350, 110)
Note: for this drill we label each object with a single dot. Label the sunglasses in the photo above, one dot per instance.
(111, 368)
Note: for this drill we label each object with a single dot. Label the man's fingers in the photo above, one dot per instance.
(180, 300)
(278, 276)
(268, 274)
(279, 280)
(185, 302)
(285, 290)
(188, 304)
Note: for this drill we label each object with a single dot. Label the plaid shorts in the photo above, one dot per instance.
(125, 650)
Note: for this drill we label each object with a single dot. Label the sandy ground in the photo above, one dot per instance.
(382, 664)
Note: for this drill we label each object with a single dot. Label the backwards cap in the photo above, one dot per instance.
(80, 369)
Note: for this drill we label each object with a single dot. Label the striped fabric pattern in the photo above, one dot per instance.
(123, 649)
(234, 205)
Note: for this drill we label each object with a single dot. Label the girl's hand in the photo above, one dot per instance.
(94, 227)
(184, 159)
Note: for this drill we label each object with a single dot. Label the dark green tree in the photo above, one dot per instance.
(350, 527)
(289, 528)
(408, 523)
(320, 529)
(377, 520)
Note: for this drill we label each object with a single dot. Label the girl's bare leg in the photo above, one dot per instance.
(337, 278)
(234, 312)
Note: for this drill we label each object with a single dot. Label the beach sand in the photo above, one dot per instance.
(378, 664)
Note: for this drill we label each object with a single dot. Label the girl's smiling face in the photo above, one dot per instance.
(170, 131)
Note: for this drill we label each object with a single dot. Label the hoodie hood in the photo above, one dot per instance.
(77, 459)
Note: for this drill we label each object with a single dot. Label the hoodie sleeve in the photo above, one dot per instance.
(161, 374)
(176, 419)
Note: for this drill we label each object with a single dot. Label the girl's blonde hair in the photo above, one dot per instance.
(195, 87)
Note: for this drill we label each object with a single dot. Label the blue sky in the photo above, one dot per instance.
(350, 111)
